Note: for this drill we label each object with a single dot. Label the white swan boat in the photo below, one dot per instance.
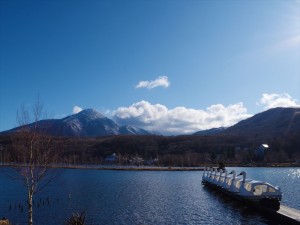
(255, 192)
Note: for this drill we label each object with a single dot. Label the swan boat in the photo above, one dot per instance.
(256, 193)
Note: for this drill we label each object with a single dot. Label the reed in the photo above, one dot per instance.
(77, 219)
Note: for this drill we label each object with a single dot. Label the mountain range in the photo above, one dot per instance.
(90, 123)
(87, 123)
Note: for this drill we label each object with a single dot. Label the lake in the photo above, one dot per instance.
(140, 197)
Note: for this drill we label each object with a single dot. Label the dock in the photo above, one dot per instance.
(285, 214)
(288, 215)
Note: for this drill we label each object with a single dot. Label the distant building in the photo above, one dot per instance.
(136, 161)
(237, 149)
(151, 162)
(260, 152)
(111, 158)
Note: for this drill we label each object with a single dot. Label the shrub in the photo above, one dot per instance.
(77, 219)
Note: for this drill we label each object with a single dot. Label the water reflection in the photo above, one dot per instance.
(294, 173)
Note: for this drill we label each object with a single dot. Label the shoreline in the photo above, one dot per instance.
(137, 168)
(128, 168)
(157, 168)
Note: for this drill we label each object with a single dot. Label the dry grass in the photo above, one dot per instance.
(4, 222)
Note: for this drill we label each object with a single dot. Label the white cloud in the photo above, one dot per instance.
(76, 109)
(179, 120)
(277, 100)
(161, 81)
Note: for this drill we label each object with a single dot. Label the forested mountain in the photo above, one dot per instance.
(273, 123)
(276, 122)
(211, 131)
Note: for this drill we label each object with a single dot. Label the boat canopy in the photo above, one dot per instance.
(260, 188)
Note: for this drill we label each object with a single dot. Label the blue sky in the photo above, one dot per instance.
(172, 66)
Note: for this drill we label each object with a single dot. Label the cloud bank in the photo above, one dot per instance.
(76, 109)
(277, 100)
(182, 120)
(161, 81)
(179, 120)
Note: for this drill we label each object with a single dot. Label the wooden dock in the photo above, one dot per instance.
(288, 215)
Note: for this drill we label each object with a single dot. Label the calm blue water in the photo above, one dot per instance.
(140, 197)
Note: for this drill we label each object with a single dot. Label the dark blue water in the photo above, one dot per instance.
(140, 197)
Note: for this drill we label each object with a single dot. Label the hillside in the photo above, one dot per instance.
(212, 131)
(273, 123)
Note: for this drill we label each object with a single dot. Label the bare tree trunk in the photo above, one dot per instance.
(34, 153)
(30, 210)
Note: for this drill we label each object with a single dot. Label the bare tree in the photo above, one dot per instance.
(34, 153)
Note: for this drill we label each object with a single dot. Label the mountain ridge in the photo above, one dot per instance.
(211, 131)
(91, 123)
(271, 123)
(86, 123)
